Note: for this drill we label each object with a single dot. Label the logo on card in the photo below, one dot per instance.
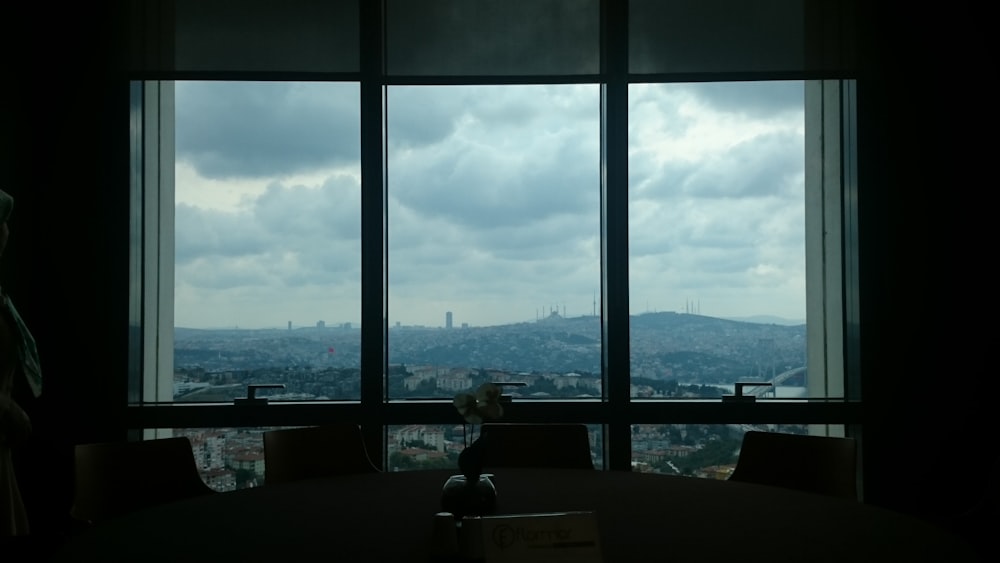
(505, 536)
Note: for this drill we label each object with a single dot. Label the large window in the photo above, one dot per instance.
(626, 226)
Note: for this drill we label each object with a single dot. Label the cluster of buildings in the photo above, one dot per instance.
(456, 379)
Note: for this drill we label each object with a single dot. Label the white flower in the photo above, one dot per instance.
(484, 405)
(466, 405)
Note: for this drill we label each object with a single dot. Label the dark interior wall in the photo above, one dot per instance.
(926, 123)
(64, 160)
(927, 128)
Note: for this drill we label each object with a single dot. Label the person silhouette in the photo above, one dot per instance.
(18, 358)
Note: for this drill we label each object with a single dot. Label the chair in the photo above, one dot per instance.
(115, 478)
(819, 464)
(294, 454)
(560, 446)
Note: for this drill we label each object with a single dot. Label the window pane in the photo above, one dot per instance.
(424, 446)
(267, 285)
(256, 35)
(492, 37)
(701, 450)
(227, 458)
(683, 36)
(717, 262)
(494, 239)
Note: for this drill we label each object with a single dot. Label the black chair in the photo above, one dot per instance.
(819, 464)
(293, 454)
(560, 446)
(115, 478)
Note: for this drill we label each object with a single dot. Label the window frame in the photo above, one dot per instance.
(832, 258)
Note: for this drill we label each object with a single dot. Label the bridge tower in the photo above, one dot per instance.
(766, 361)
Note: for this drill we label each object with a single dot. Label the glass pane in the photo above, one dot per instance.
(683, 36)
(717, 263)
(492, 37)
(596, 445)
(227, 458)
(257, 35)
(426, 446)
(494, 239)
(701, 450)
(267, 284)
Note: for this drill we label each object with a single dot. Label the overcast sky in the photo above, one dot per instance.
(493, 208)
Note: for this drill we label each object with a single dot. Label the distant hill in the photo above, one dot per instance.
(768, 320)
(685, 347)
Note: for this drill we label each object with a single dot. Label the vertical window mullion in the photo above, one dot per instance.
(614, 247)
(373, 287)
(166, 244)
(136, 349)
(851, 244)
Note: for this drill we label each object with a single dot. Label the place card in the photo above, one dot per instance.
(558, 537)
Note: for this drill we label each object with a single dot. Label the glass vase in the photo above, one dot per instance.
(468, 497)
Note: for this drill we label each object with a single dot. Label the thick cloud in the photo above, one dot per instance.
(209, 233)
(756, 100)
(493, 201)
(268, 129)
(418, 117)
(286, 237)
(717, 198)
(511, 160)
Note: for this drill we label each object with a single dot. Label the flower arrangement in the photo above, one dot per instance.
(475, 409)
(484, 405)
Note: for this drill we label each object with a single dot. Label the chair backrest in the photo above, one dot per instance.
(562, 446)
(115, 478)
(293, 454)
(819, 464)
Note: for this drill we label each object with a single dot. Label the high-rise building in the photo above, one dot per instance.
(447, 319)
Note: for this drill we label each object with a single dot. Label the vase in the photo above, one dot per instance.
(468, 497)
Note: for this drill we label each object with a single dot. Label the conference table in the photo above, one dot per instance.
(641, 517)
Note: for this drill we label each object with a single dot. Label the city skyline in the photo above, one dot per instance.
(457, 323)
